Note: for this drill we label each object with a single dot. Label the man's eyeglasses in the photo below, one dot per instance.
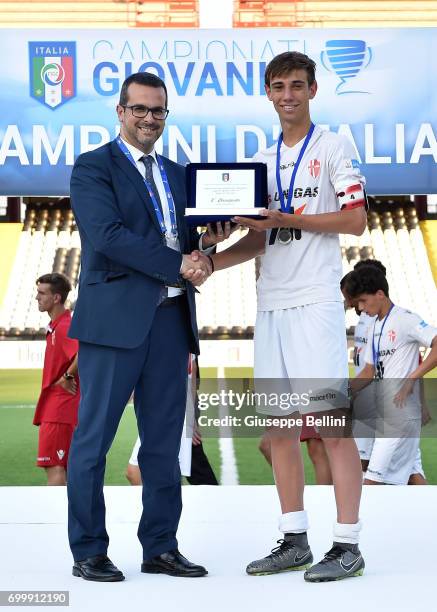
(140, 111)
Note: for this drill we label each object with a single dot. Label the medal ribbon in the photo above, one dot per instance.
(285, 208)
(376, 352)
(166, 184)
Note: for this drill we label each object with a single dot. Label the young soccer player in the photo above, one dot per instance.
(56, 411)
(392, 356)
(365, 402)
(316, 191)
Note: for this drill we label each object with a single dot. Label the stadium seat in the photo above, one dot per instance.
(226, 303)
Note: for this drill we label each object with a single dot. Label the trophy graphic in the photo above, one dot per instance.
(346, 58)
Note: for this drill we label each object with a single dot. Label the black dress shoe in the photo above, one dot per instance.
(99, 568)
(173, 564)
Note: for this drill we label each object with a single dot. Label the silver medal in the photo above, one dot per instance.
(284, 235)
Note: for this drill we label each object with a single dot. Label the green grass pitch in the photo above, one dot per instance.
(19, 390)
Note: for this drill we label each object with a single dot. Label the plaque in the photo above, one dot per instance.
(218, 192)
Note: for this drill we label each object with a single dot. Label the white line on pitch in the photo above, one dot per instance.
(229, 470)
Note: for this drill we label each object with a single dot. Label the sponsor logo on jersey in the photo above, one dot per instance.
(387, 352)
(351, 163)
(423, 324)
(360, 339)
(391, 335)
(285, 166)
(314, 168)
(299, 192)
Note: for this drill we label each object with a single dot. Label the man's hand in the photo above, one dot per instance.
(196, 268)
(69, 385)
(274, 218)
(217, 232)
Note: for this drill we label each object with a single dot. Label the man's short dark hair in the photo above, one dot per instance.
(288, 61)
(371, 262)
(141, 78)
(59, 283)
(367, 279)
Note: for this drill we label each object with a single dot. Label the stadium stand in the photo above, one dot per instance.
(49, 241)
(9, 239)
(247, 13)
(395, 238)
(429, 231)
(99, 13)
(335, 14)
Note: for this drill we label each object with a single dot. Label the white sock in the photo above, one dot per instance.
(294, 522)
(347, 533)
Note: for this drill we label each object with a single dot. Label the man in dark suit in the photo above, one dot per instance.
(135, 321)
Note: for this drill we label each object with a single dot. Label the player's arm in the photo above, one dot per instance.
(72, 368)
(68, 378)
(363, 379)
(346, 221)
(251, 245)
(426, 366)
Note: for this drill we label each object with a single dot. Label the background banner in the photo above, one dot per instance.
(60, 88)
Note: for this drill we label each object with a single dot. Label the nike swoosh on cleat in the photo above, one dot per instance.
(349, 566)
(298, 559)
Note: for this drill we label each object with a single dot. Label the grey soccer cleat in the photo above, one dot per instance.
(292, 554)
(342, 561)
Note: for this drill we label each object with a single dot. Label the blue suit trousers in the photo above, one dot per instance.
(157, 372)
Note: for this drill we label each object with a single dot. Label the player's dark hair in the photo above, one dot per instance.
(343, 280)
(371, 262)
(288, 61)
(141, 78)
(59, 283)
(367, 279)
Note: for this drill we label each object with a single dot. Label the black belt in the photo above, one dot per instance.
(172, 301)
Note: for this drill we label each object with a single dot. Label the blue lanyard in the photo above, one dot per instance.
(168, 193)
(376, 353)
(287, 208)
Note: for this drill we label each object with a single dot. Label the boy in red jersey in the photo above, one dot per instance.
(56, 410)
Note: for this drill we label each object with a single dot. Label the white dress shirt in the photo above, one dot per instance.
(171, 241)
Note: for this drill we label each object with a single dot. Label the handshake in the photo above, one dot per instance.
(196, 267)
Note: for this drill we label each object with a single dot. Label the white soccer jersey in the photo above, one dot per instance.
(398, 346)
(361, 333)
(403, 334)
(308, 269)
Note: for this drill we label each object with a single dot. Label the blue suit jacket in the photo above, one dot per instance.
(125, 261)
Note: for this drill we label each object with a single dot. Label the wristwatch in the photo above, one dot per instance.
(68, 376)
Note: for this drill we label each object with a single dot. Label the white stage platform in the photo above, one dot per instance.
(224, 528)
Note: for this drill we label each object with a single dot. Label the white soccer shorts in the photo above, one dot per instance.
(393, 460)
(303, 350)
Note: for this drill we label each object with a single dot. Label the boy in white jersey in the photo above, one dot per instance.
(392, 356)
(364, 421)
(315, 192)
(364, 404)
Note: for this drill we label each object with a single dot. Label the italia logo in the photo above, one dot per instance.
(314, 168)
(52, 71)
